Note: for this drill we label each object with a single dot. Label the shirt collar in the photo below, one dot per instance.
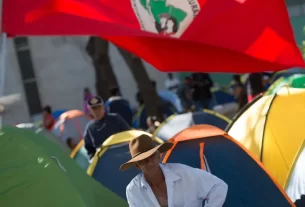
(169, 174)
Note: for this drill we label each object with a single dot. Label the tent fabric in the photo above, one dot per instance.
(44, 133)
(178, 122)
(140, 119)
(38, 173)
(285, 73)
(171, 97)
(80, 155)
(71, 124)
(267, 44)
(293, 81)
(113, 153)
(222, 97)
(295, 187)
(272, 128)
(231, 162)
(56, 114)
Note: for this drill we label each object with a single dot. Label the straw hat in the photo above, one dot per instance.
(143, 147)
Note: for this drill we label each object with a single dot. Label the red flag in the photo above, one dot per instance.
(185, 35)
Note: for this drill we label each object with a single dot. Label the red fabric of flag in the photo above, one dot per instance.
(185, 35)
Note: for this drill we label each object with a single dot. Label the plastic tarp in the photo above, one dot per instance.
(249, 184)
(176, 123)
(272, 128)
(35, 172)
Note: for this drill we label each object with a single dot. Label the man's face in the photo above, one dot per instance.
(98, 112)
(150, 164)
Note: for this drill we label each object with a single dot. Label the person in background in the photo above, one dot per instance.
(172, 83)
(139, 98)
(255, 85)
(202, 95)
(102, 126)
(185, 94)
(118, 105)
(47, 118)
(266, 79)
(169, 184)
(153, 123)
(240, 92)
(87, 96)
(71, 143)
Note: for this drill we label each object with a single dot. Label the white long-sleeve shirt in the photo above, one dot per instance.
(186, 187)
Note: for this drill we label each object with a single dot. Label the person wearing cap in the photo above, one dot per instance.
(102, 126)
(119, 105)
(170, 184)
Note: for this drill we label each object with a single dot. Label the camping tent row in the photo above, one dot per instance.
(178, 122)
(172, 104)
(221, 155)
(69, 124)
(170, 127)
(272, 128)
(35, 171)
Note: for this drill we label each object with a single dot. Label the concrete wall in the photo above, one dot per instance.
(63, 69)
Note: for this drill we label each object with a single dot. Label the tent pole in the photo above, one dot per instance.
(2, 68)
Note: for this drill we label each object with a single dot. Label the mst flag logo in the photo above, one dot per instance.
(166, 17)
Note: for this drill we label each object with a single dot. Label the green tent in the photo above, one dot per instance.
(36, 172)
(293, 81)
(45, 133)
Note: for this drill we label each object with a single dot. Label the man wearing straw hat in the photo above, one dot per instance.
(169, 185)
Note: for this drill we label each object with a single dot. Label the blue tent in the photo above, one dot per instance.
(172, 98)
(106, 163)
(140, 118)
(56, 114)
(176, 123)
(211, 149)
(221, 97)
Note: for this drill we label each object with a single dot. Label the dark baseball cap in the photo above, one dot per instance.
(95, 101)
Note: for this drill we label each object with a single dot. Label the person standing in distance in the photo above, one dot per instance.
(102, 126)
(172, 83)
(169, 184)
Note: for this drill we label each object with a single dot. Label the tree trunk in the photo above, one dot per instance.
(152, 101)
(105, 78)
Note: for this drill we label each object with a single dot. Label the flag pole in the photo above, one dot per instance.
(2, 68)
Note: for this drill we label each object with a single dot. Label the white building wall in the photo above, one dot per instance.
(63, 70)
